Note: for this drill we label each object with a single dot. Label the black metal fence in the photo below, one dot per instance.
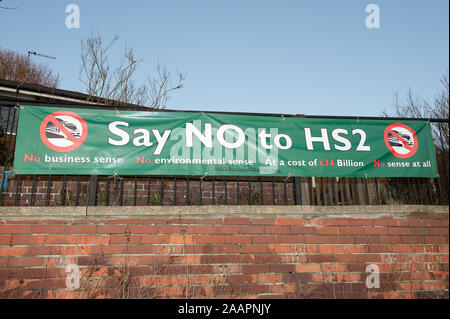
(69, 190)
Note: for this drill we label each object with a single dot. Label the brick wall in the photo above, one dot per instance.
(215, 255)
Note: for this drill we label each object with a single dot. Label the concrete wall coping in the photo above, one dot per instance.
(364, 211)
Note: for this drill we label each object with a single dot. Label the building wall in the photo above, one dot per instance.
(224, 251)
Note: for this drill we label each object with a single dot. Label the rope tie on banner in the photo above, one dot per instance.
(115, 176)
(282, 117)
(206, 173)
(289, 176)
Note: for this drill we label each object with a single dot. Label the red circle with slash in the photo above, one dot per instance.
(403, 141)
(63, 131)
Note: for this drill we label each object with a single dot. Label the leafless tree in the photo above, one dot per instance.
(17, 67)
(415, 107)
(111, 85)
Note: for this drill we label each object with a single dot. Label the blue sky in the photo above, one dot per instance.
(285, 56)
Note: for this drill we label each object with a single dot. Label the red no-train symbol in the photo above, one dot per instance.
(401, 140)
(63, 131)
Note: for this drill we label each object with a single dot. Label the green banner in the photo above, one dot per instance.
(73, 141)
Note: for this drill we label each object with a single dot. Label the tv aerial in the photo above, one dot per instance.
(40, 54)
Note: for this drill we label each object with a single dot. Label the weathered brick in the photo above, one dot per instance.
(12, 251)
(24, 261)
(15, 229)
(276, 229)
(111, 229)
(230, 256)
(236, 221)
(81, 229)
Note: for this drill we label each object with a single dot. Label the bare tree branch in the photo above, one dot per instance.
(415, 107)
(116, 85)
(162, 85)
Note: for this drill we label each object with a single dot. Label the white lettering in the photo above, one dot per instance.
(322, 139)
(221, 138)
(286, 138)
(120, 133)
(142, 140)
(206, 139)
(161, 140)
(347, 145)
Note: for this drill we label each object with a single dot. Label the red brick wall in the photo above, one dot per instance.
(224, 257)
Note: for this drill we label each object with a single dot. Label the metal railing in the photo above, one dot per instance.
(81, 190)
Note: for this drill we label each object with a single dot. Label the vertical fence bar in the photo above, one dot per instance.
(162, 191)
(77, 196)
(214, 190)
(344, 186)
(188, 192)
(175, 190)
(135, 191)
(6, 135)
(294, 191)
(334, 199)
(1, 187)
(107, 187)
(121, 191)
(92, 194)
(324, 196)
(226, 191)
(47, 196)
(6, 166)
(249, 192)
(377, 187)
(261, 186)
(237, 190)
(299, 191)
(201, 191)
(148, 191)
(273, 191)
(311, 192)
(33, 189)
(356, 193)
(285, 192)
(63, 191)
(17, 196)
(366, 186)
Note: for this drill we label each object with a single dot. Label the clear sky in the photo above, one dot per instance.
(279, 56)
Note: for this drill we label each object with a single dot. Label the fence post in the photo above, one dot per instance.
(360, 192)
(305, 191)
(92, 194)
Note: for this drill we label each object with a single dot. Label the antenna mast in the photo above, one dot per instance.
(40, 54)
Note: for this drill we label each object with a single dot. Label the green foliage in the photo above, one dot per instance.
(156, 200)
